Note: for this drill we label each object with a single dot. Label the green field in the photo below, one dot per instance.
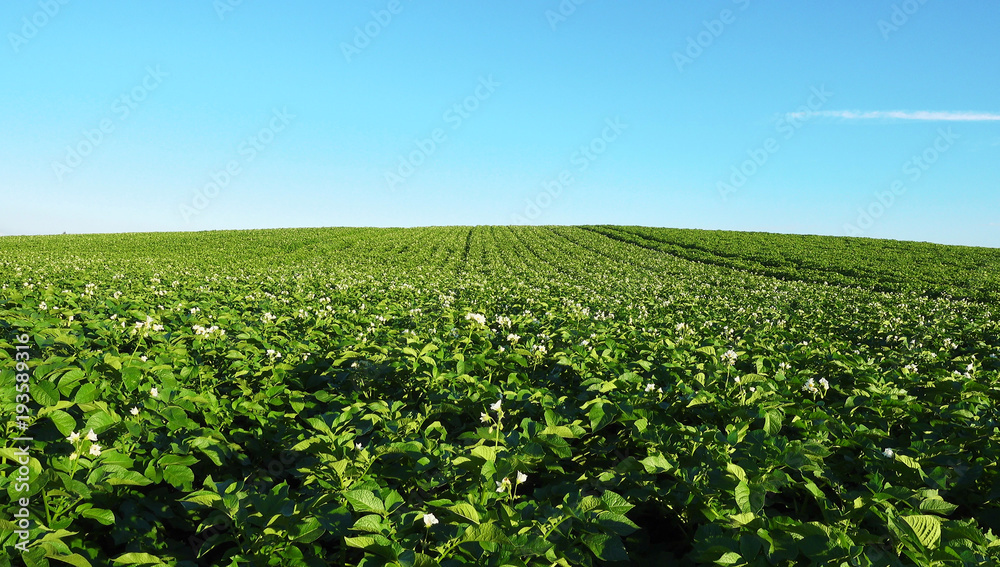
(499, 396)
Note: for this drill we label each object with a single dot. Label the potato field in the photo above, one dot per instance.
(498, 396)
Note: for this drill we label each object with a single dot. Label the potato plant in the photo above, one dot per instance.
(500, 396)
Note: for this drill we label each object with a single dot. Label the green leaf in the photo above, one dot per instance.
(772, 423)
(138, 559)
(112, 361)
(560, 430)
(98, 421)
(105, 517)
(938, 506)
(965, 530)
(75, 559)
(372, 523)
(700, 398)
(486, 532)
(614, 502)
(306, 531)
(35, 557)
(365, 501)
(45, 393)
(551, 417)
(606, 547)
(392, 500)
(114, 457)
(86, 394)
(729, 558)
(616, 523)
(130, 378)
(63, 421)
(69, 379)
(56, 535)
(320, 425)
(128, 478)
(737, 471)
(376, 544)
(202, 497)
(182, 460)
(488, 454)
(589, 503)
(656, 464)
(55, 547)
(927, 528)
(467, 511)
(908, 461)
(60, 405)
(598, 417)
(557, 445)
(743, 497)
(178, 475)
(815, 490)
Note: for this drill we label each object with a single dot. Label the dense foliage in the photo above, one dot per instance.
(502, 396)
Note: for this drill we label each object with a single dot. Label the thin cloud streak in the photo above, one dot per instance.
(927, 115)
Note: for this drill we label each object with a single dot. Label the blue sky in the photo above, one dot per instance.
(875, 118)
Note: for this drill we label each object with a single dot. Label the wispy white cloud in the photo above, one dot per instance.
(927, 115)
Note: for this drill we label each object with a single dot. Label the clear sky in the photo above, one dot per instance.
(878, 118)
